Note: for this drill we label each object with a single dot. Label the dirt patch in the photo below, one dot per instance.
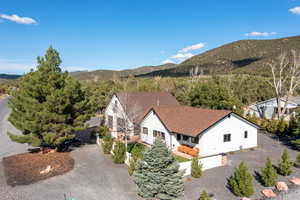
(26, 168)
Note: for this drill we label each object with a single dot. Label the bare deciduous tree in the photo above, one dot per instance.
(285, 79)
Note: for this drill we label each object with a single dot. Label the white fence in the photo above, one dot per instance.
(207, 163)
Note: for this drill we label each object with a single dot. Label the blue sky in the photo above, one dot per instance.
(126, 34)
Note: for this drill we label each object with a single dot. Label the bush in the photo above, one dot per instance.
(132, 166)
(285, 164)
(138, 151)
(196, 170)
(204, 196)
(241, 182)
(297, 162)
(268, 174)
(119, 153)
(107, 144)
(103, 130)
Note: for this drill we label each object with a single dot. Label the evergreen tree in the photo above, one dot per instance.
(119, 153)
(204, 196)
(268, 173)
(158, 175)
(285, 164)
(196, 168)
(107, 144)
(49, 105)
(241, 182)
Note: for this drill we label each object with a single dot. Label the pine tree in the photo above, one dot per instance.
(196, 168)
(48, 105)
(241, 182)
(268, 173)
(204, 196)
(119, 153)
(157, 174)
(285, 164)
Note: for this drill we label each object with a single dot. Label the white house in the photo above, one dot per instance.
(126, 109)
(268, 109)
(213, 132)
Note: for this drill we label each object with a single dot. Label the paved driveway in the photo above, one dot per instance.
(94, 177)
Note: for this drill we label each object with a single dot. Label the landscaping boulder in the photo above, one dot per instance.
(295, 180)
(269, 193)
(245, 198)
(282, 186)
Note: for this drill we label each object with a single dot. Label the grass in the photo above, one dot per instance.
(181, 159)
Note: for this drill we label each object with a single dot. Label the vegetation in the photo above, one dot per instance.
(103, 131)
(204, 196)
(107, 144)
(132, 166)
(241, 183)
(138, 151)
(196, 168)
(48, 105)
(268, 174)
(181, 159)
(119, 153)
(285, 164)
(297, 162)
(157, 175)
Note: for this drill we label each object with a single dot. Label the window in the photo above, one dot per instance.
(159, 134)
(178, 137)
(120, 124)
(110, 121)
(246, 134)
(195, 140)
(145, 130)
(227, 137)
(185, 138)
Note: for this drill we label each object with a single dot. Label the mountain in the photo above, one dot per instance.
(9, 76)
(108, 74)
(244, 57)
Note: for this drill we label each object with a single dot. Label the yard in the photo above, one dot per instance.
(214, 180)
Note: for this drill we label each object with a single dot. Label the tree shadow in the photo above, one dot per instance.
(245, 62)
(258, 177)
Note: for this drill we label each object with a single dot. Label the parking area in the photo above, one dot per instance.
(214, 180)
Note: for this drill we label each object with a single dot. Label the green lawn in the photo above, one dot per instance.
(181, 159)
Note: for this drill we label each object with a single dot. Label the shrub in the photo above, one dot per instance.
(138, 151)
(119, 153)
(241, 182)
(268, 173)
(130, 147)
(285, 164)
(196, 170)
(103, 130)
(297, 162)
(107, 144)
(204, 196)
(132, 166)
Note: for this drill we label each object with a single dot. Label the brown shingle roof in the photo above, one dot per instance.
(136, 104)
(188, 120)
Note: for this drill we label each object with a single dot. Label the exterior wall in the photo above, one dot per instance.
(152, 122)
(119, 112)
(266, 109)
(212, 142)
(207, 163)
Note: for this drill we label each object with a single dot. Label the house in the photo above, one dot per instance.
(268, 109)
(212, 132)
(126, 109)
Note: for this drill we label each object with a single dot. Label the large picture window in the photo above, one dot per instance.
(159, 134)
(227, 138)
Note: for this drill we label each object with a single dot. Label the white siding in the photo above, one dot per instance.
(211, 142)
(120, 113)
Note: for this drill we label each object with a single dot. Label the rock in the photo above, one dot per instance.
(245, 198)
(295, 180)
(282, 186)
(268, 193)
(47, 170)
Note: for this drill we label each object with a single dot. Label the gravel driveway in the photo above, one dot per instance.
(94, 176)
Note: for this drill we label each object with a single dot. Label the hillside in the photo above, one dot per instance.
(244, 56)
(108, 74)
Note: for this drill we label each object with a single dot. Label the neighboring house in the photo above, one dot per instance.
(268, 109)
(213, 132)
(126, 109)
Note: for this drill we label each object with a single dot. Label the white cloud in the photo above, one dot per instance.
(193, 47)
(167, 61)
(257, 34)
(15, 67)
(295, 10)
(182, 56)
(18, 19)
